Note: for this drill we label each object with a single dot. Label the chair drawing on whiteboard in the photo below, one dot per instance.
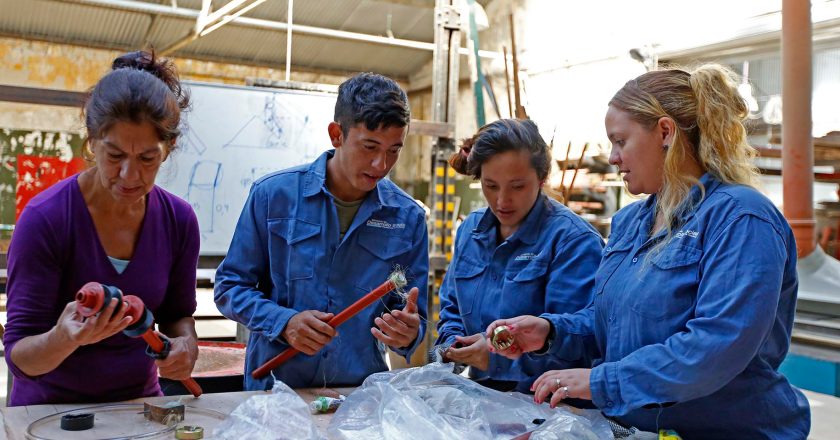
(201, 191)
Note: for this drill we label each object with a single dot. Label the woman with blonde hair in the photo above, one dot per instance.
(696, 291)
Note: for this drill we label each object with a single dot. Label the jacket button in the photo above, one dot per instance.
(635, 259)
(609, 403)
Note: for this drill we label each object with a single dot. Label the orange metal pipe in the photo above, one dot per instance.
(156, 345)
(337, 320)
(90, 300)
(797, 141)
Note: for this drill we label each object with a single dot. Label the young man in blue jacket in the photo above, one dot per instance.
(313, 239)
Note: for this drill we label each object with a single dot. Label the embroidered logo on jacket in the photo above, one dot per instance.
(374, 223)
(527, 256)
(689, 233)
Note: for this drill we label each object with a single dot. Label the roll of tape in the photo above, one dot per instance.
(77, 422)
(189, 432)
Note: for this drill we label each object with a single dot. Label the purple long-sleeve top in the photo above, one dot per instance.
(54, 251)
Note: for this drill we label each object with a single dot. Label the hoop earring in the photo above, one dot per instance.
(666, 147)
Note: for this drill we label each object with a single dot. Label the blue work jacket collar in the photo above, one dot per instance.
(316, 182)
(707, 181)
(528, 231)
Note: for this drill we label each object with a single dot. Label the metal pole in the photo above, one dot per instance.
(518, 110)
(797, 141)
(257, 23)
(289, 41)
(507, 83)
(476, 64)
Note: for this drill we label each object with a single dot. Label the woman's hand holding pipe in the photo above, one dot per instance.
(76, 330)
(183, 352)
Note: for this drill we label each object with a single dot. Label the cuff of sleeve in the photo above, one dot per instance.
(283, 317)
(554, 347)
(447, 340)
(407, 351)
(605, 389)
(494, 365)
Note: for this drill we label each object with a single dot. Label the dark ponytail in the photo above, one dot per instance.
(139, 88)
(498, 137)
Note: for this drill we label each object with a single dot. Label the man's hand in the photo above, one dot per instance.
(308, 332)
(529, 334)
(178, 365)
(399, 328)
(473, 352)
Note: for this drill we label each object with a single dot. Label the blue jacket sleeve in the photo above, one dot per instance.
(571, 279)
(419, 277)
(450, 324)
(574, 336)
(739, 290)
(243, 279)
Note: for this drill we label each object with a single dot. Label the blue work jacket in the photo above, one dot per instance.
(547, 265)
(691, 337)
(286, 257)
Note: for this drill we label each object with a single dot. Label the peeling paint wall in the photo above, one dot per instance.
(38, 64)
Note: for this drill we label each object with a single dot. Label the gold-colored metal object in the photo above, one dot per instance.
(187, 432)
(166, 414)
(502, 338)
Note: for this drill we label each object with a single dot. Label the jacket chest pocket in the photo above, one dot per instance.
(524, 290)
(384, 246)
(294, 245)
(467, 280)
(669, 285)
(611, 257)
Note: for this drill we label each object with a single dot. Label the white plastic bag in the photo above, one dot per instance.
(432, 403)
(280, 415)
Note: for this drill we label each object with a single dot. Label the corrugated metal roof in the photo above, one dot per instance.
(77, 22)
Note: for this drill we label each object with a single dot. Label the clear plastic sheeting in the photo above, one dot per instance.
(432, 403)
(280, 415)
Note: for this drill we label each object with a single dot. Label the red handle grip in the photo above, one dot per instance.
(156, 345)
(337, 320)
(192, 386)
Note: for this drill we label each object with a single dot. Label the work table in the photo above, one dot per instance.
(17, 419)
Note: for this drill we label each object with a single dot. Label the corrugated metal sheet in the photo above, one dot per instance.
(74, 23)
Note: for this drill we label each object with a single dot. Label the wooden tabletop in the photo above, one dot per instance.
(16, 420)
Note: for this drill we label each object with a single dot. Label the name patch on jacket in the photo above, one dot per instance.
(527, 256)
(382, 224)
(688, 233)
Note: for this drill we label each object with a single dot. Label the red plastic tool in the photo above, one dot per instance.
(93, 297)
(396, 281)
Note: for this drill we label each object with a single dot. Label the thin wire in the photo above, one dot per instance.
(113, 408)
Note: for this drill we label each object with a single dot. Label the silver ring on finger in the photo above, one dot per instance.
(565, 392)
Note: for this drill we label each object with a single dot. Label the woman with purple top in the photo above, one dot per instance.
(109, 224)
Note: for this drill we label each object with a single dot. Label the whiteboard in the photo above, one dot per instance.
(231, 137)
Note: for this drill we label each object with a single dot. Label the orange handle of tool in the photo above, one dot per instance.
(156, 345)
(337, 320)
